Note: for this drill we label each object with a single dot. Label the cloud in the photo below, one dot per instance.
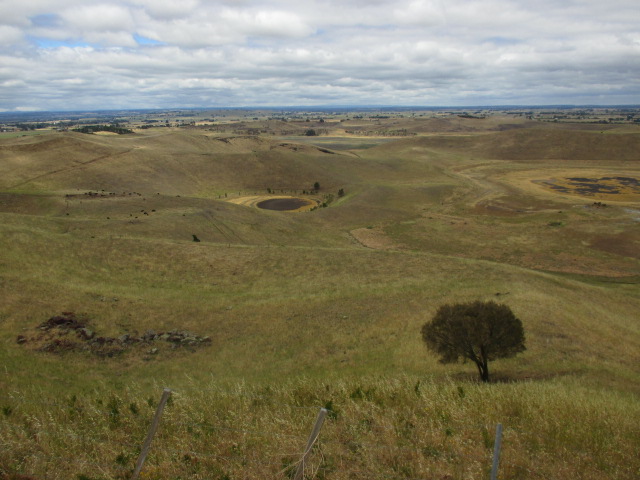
(266, 23)
(101, 17)
(168, 9)
(421, 12)
(10, 35)
(113, 54)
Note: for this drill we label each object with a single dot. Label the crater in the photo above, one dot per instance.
(280, 203)
(285, 204)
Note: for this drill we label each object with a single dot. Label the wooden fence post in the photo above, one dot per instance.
(312, 439)
(152, 432)
(496, 452)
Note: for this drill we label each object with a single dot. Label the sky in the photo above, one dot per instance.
(120, 54)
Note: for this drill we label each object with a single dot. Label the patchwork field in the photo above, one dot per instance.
(135, 262)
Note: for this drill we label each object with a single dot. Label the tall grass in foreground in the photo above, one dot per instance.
(377, 428)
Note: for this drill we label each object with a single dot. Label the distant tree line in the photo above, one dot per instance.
(30, 126)
(103, 128)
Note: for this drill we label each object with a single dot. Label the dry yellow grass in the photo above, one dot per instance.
(376, 428)
(330, 300)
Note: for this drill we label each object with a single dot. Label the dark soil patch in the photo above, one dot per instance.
(284, 204)
(596, 186)
(590, 186)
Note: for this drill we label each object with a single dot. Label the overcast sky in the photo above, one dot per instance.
(86, 54)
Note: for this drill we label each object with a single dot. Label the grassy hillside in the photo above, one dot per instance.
(307, 308)
(541, 144)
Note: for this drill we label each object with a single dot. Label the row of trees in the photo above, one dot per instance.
(103, 128)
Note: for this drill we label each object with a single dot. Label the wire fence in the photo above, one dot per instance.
(73, 438)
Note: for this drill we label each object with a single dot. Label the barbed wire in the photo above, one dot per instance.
(243, 461)
(77, 402)
(79, 406)
(326, 440)
(278, 459)
(238, 430)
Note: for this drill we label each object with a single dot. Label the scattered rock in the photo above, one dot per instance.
(66, 321)
(57, 346)
(85, 333)
(51, 331)
(148, 336)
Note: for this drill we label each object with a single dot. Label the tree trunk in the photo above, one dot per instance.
(485, 372)
(483, 369)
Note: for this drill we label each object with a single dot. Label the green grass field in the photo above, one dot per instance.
(323, 308)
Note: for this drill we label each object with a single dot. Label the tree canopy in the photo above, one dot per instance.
(476, 331)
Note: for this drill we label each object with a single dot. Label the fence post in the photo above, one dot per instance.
(312, 439)
(152, 431)
(496, 452)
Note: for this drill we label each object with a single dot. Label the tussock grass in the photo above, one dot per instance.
(407, 427)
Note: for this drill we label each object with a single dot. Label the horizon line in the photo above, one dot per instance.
(319, 107)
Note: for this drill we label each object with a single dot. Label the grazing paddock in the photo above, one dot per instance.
(272, 315)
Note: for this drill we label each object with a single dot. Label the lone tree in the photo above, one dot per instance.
(476, 331)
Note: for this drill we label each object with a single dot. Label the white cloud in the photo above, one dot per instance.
(319, 51)
(266, 23)
(102, 17)
(185, 34)
(10, 35)
(421, 12)
(168, 9)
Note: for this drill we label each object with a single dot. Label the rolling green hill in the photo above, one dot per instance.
(314, 305)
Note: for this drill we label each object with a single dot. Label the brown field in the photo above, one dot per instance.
(271, 314)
